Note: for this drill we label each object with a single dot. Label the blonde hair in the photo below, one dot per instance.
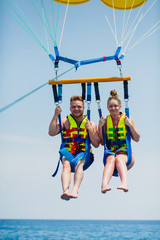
(114, 96)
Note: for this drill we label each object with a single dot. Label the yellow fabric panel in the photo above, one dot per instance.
(123, 4)
(72, 2)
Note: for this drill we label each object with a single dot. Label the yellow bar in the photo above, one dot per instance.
(86, 80)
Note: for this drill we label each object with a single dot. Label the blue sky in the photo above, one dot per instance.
(28, 155)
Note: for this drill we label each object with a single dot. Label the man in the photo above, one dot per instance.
(75, 131)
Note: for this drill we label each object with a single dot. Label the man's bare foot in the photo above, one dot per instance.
(74, 194)
(105, 188)
(65, 196)
(123, 187)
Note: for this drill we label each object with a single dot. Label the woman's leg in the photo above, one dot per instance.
(107, 173)
(121, 160)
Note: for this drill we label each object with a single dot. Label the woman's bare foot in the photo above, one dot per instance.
(123, 187)
(105, 188)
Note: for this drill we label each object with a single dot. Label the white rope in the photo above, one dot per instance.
(131, 29)
(124, 17)
(115, 29)
(111, 29)
(149, 8)
(146, 35)
(133, 33)
(63, 25)
(140, 19)
(122, 41)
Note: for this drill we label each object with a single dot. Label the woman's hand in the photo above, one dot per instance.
(128, 121)
(88, 124)
(102, 122)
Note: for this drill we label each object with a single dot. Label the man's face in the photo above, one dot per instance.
(76, 108)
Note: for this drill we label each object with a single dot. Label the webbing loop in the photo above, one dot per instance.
(83, 85)
(56, 100)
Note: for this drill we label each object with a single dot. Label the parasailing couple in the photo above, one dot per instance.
(78, 135)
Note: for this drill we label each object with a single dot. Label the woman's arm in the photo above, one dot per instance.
(102, 123)
(134, 132)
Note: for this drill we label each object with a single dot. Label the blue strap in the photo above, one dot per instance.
(60, 92)
(55, 173)
(75, 159)
(75, 140)
(111, 143)
(89, 92)
(108, 152)
(64, 152)
(128, 140)
(83, 85)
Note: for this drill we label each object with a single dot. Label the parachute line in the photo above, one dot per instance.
(25, 27)
(48, 30)
(31, 92)
(63, 25)
(111, 29)
(146, 35)
(46, 35)
(133, 30)
(115, 28)
(132, 33)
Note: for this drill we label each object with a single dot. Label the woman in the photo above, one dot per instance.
(115, 130)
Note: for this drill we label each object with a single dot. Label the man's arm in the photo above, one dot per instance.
(54, 127)
(92, 129)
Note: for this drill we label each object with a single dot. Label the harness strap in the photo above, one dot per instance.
(128, 140)
(75, 140)
(97, 96)
(83, 85)
(56, 100)
(111, 142)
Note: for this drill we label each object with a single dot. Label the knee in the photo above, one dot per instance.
(121, 159)
(118, 159)
(111, 160)
(80, 165)
(66, 165)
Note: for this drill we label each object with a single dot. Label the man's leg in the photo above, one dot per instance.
(66, 178)
(78, 176)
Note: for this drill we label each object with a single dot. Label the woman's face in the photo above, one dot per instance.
(114, 107)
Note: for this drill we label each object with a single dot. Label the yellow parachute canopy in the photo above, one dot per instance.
(123, 4)
(72, 2)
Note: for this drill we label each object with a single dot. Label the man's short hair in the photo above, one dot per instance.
(76, 98)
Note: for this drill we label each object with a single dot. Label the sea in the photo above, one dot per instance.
(79, 229)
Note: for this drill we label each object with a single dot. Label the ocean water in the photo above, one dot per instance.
(79, 229)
